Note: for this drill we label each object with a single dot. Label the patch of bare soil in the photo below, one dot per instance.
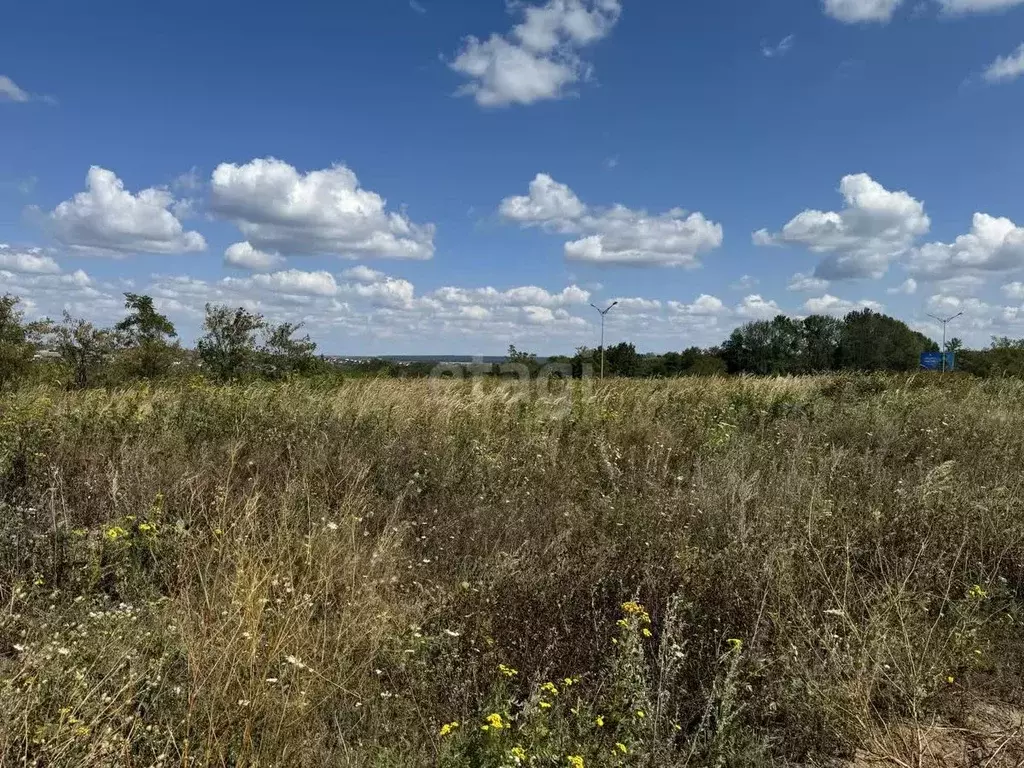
(991, 736)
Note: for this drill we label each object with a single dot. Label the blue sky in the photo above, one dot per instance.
(443, 176)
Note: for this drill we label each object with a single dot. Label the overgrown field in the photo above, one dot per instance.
(702, 572)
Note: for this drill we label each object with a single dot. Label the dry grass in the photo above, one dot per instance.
(710, 572)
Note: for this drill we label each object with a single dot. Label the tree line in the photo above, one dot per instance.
(237, 344)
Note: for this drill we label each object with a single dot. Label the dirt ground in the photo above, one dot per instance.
(992, 736)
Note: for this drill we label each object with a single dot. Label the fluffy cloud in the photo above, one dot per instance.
(908, 287)
(49, 294)
(363, 274)
(1014, 290)
(529, 295)
(745, 283)
(616, 235)
(549, 204)
(278, 209)
(107, 219)
(9, 90)
(384, 291)
(296, 282)
(1006, 68)
(637, 304)
(539, 59)
(704, 305)
(874, 227)
(977, 6)
(854, 11)
(993, 245)
(754, 307)
(803, 283)
(28, 261)
(832, 305)
(244, 256)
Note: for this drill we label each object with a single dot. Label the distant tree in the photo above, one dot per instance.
(821, 335)
(621, 360)
(765, 347)
(146, 336)
(228, 348)
(954, 345)
(874, 342)
(285, 355)
(84, 348)
(16, 343)
(707, 365)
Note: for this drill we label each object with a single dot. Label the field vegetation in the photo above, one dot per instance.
(689, 572)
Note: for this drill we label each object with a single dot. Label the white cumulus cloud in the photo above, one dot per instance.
(244, 256)
(615, 235)
(539, 58)
(874, 227)
(1014, 290)
(804, 283)
(529, 295)
(108, 219)
(994, 244)
(29, 261)
(833, 305)
(704, 305)
(908, 287)
(1006, 68)
(281, 210)
(9, 90)
(755, 307)
(855, 11)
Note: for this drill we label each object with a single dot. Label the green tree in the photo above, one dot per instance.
(765, 347)
(821, 335)
(84, 348)
(287, 355)
(16, 343)
(621, 360)
(228, 348)
(874, 342)
(146, 335)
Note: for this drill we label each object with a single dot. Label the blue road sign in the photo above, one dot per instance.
(932, 361)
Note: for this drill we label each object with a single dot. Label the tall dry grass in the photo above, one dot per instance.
(694, 572)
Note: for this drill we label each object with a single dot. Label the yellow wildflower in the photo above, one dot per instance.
(576, 761)
(545, 705)
(950, 680)
(633, 608)
(645, 632)
(507, 671)
(550, 688)
(735, 643)
(977, 592)
(447, 728)
(641, 714)
(599, 721)
(621, 747)
(494, 721)
(115, 532)
(518, 754)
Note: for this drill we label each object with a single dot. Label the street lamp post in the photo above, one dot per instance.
(603, 313)
(945, 321)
